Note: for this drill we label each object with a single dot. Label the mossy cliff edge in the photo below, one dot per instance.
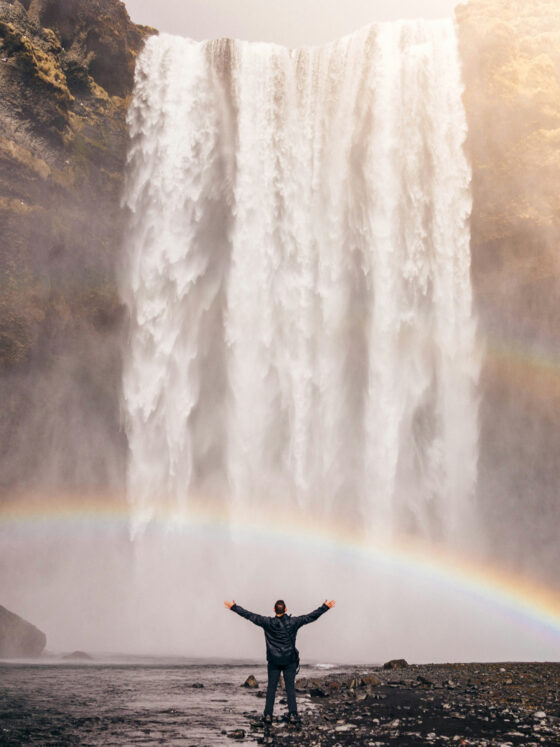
(66, 75)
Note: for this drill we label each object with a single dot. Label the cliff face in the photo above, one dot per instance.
(66, 72)
(18, 638)
(511, 58)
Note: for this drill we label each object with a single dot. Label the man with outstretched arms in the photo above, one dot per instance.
(281, 653)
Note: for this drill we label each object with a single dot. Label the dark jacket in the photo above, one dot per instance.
(280, 632)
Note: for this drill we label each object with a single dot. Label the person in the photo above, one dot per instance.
(282, 655)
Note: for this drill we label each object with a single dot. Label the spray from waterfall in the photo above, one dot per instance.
(298, 279)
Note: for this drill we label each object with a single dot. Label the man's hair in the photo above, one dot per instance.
(280, 607)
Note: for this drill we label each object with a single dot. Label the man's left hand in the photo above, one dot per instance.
(229, 605)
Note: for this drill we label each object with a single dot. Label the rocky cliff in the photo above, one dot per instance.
(18, 638)
(66, 75)
(66, 69)
(511, 58)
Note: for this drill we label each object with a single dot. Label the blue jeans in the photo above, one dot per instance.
(274, 671)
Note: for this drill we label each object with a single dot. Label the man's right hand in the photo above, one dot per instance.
(229, 605)
(330, 604)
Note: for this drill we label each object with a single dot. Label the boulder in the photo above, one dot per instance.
(78, 656)
(19, 638)
(395, 664)
(318, 692)
(251, 682)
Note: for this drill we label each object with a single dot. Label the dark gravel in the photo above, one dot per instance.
(452, 704)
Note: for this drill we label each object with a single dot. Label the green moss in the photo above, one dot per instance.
(34, 61)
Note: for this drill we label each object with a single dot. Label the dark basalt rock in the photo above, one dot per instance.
(19, 638)
(395, 664)
(319, 692)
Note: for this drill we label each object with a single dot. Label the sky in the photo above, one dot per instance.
(291, 22)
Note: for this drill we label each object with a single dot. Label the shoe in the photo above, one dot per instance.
(294, 719)
(267, 719)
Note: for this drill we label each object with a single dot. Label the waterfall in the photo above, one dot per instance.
(297, 272)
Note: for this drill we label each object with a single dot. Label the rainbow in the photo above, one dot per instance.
(523, 600)
(533, 371)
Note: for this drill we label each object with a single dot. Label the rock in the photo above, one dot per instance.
(237, 734)
(251, 682)
(311, 683)
(424, 680)
(197, 685)
(510, 66)
(97, 34)
(318, 692)
(63, 139)
(19, 638)
(371, 679)
(78, 656)
(539, 715)
(395, 664)
(334, 686)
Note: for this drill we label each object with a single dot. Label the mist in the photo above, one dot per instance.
(291, 23)
(103, 594)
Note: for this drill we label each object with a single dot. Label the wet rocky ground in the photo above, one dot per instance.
(84, 700)
(206, 705)
(452, 704)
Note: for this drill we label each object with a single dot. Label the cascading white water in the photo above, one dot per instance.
(298, 278)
